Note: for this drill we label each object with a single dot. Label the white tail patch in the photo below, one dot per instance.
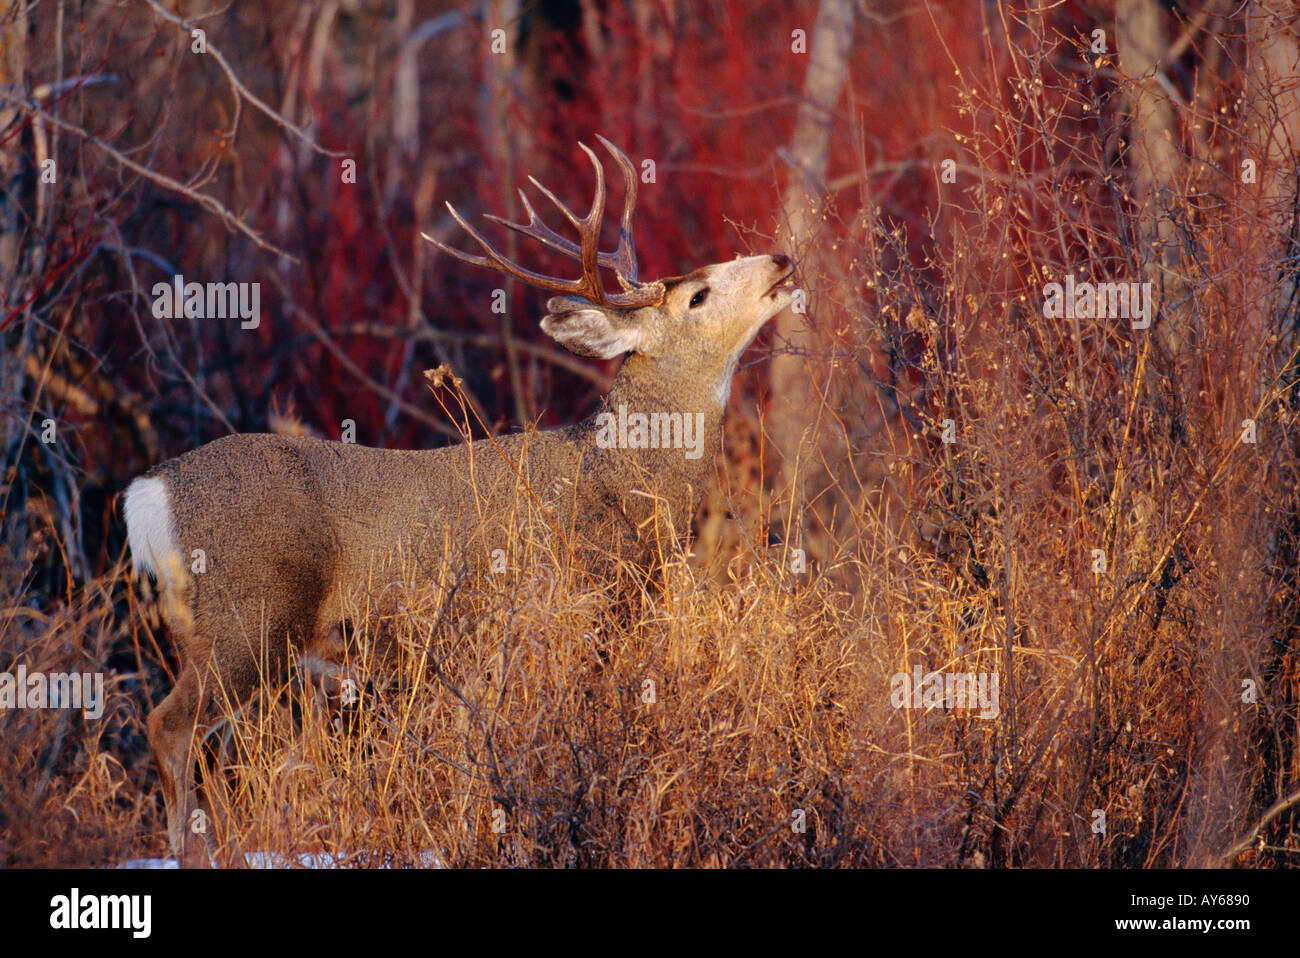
(148, 512)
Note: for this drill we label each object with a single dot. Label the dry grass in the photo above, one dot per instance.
(702, 724)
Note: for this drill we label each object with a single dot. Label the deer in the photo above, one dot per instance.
(298, 533)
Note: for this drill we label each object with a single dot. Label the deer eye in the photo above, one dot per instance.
(698, 298)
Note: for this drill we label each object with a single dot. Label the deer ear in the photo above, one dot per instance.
(588, 331)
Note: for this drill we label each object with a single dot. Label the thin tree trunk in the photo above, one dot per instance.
(791, 376)
(1274, 93)
(501, 82)
(17, 212)
(15, 158)
(1154, 161)
(1273, 101)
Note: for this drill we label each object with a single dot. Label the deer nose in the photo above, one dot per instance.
(781, 261)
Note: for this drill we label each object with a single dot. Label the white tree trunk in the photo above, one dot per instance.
(1154, 160)
(792, 382)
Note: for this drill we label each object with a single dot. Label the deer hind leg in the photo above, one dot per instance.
(224, 682)
(175, 729)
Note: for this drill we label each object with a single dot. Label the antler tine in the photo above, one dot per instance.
(494, 260)
(597, 203)
(587, 251)
(589, 232)
(624, 258)
(588, 228)
(538, 230)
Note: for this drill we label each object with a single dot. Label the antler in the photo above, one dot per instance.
(622, 261)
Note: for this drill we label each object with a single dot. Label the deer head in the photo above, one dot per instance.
(695, 325)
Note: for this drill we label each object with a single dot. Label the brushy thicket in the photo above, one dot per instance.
(739, 713)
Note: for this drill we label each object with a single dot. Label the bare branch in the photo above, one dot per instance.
(1243, 844)
(243, 92)
(209, 203)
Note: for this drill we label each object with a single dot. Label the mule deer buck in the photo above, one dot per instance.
(300, 534)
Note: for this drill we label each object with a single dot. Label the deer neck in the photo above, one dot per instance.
(670, 423)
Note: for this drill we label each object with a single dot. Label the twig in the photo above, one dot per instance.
(328, 342)
(209, 203)
(242, 91)
(1277, 808)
